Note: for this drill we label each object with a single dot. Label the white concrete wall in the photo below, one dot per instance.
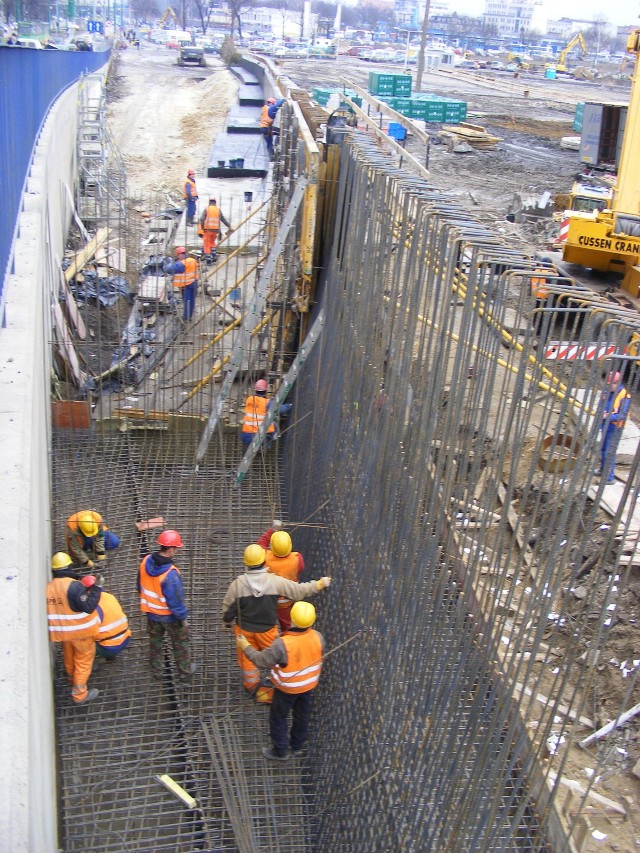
(28, 817)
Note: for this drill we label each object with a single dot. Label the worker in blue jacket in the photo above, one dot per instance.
(267, 118)
(616, 403)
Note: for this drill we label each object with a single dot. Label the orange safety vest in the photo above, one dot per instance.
(114, 625)
(285, 567)
(190, 274)
(151, 598)
(617, 402)
(194, 191)
(255, 410)
(539, 287)
(212, 218)
(304, 662)
(65, 623)
(265, 118)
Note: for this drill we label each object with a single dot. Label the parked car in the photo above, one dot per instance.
(467, 63)
(191, 53)
(495, 65)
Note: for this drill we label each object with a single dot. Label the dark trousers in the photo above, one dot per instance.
(281, 705)
(189, 300)
(179, 640)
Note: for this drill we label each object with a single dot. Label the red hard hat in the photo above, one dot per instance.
(180, 250)
(88, 581)
(261, 385)
(271, 100)
(170, 539)
(191, 172)
(613, 378)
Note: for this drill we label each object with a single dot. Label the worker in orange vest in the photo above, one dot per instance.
(190, 195)
(281, 560)
(251, 602)
(295, 660)
(88, 538)
(114, 633)
(255, 410)
(185, 272)
(72, 602)
(615, 404)
(210, 221)
(267, 119)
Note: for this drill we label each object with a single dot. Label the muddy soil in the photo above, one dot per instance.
(164, 120)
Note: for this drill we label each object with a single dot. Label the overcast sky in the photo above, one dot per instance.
(619, 12)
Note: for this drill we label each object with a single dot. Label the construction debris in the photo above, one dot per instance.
(473, 134)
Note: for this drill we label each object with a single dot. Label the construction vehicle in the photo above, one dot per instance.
(610, 242)
(518, 60)
(561, 65)
(169, 18)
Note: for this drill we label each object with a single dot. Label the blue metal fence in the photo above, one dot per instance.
(30, 81)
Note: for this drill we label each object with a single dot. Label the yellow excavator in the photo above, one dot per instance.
(610, 242)
(170, 17)
(561, 65)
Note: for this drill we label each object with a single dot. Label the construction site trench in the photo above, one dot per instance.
(481, 620)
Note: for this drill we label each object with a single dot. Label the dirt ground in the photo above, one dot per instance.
(164, 119)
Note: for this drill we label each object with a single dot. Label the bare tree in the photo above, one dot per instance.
(144, 10)
(235, 9)
(203, 10)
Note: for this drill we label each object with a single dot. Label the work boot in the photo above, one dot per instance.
(270, 753)
(91, 695)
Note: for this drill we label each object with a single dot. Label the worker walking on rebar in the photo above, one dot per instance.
(88, 538)
(616, 402)
(295, 661)
(255, 410)
(162, 600)
(72, 602)
(114, 633)
(251, 602)
(267, 119)
(210, 221)
(190, 195)
(185, 272)
(281, 560)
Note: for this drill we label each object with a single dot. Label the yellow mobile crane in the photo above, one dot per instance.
(561, 65)
(610, 242)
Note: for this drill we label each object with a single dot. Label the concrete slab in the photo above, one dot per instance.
(243, 120)
(249, 148)
(246, 77)
(250, 96)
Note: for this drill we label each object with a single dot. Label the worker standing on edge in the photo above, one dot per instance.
(185, 273)
(190, 195)
(255, 410)
(251, 601)
(267, 119)
(114, 633)
(617, 401)
(162, 599)
(88, 538)
(210, 221)
(295, 660)
(282, 561)
(73, 621)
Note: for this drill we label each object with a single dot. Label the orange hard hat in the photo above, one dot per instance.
(261, 385)
(170, 539)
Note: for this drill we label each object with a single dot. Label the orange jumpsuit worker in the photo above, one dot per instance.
(210, 221)
(282, 561)
(251, 601)
(255, 410)
(73, 621)
(114, 633)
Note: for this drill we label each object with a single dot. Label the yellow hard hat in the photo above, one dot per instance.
(60, 560)
(281, 543)
(254, 556)
(303, 614)
(87, 524)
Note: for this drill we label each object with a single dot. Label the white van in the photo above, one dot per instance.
(28, 42)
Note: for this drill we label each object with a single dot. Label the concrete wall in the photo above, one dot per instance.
(28, 819)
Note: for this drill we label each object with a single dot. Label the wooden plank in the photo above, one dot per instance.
(605, 802)
(72, 309)
(514, 523)
(559, 709)
(85, 255)
(65, 345)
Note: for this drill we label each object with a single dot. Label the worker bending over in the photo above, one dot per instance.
(162, 600)
(88, 538)
(616, 402)
(73, 621)
(185, 273)
(114, 633)
(252, 601)
(295, 660)
(210, 221)
(281, 560)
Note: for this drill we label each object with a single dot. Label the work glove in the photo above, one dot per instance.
(276, 524)
(323, 583)
(101, 557)
(242, 643)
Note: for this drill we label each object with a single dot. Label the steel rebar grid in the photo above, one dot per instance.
(422, 408)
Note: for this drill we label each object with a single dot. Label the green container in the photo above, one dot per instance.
(380, 84)
(435, 111)
(402, 85)
(577, 121)
(403, 105)
(418, 108)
